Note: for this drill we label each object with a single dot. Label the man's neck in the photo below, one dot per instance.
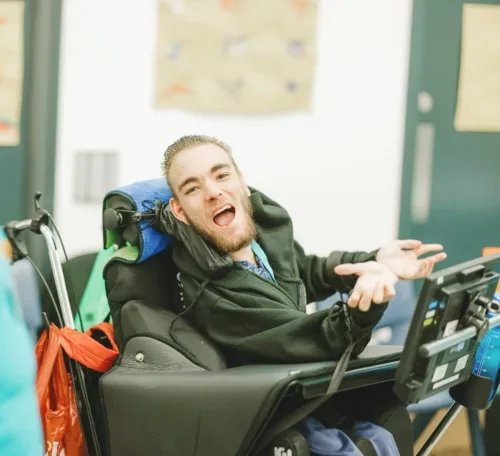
(245, 254)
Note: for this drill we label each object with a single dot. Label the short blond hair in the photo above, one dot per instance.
(187, 142)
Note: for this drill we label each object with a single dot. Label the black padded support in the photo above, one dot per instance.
(139, 319)
(141, 300)
(146, 354)
(474, 393)
(152, 282)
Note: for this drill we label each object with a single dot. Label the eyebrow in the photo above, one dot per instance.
(214, 169)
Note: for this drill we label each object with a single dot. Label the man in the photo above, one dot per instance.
(254, 309)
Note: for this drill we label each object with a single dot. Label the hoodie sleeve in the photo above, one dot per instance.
(318, 274)
(285, 334)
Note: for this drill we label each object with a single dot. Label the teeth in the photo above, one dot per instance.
(223, 208)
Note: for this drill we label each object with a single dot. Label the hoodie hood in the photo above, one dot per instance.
(192, 253)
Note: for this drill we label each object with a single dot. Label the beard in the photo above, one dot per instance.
(229, 244)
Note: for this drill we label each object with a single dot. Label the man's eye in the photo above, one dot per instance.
(222, 176)
(191, 190)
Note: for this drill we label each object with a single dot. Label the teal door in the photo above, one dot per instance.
(13, 156)
(451, 179)
(29, 165)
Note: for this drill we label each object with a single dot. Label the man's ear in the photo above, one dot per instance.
(177, 210)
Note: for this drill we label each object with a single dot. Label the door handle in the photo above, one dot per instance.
(421, 191)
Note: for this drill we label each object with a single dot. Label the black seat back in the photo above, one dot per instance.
(142, 303)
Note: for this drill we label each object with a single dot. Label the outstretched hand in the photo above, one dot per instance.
(402, 258)
(375, 284)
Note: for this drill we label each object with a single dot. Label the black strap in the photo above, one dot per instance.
(306, 409)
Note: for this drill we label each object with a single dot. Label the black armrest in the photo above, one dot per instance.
(376, 364)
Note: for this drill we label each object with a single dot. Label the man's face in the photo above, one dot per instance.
(212, 197)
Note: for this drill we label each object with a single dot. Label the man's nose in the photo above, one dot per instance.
(212, 191)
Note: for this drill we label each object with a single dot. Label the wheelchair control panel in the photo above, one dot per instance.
(455, 310)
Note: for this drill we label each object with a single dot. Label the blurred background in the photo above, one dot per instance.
(364, 119)
(368, 120)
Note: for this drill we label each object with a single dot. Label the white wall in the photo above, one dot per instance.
(342, 160)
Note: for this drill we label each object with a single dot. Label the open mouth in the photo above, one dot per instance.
(225, 215)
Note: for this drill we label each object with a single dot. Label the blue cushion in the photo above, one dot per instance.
(143, 195)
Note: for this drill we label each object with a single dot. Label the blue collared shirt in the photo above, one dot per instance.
(263, 267)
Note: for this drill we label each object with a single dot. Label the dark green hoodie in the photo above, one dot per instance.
(254, 320)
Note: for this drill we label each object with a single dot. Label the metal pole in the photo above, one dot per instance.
(440, 429)
(91, 442)
(55, 262)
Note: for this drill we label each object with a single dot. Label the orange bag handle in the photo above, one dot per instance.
(87, 351)
(107, 329)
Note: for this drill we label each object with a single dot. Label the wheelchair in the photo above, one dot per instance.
(175, 396)
(184, 398)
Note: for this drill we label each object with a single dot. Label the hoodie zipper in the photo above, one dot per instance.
(302, 294)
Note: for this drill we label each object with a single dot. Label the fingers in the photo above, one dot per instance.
(383, 293)
(378, 294)
(428, 267)
(437, 258)
(354, 298)
(375, 284)
(362, 301)
(365, 301)
(409, 244)
(427, 264)
(423, 267)
(426, 248)
(390, 292)
(348, 269)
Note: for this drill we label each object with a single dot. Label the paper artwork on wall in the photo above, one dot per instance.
(11, 70)
(235, 56)
(478, 101)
